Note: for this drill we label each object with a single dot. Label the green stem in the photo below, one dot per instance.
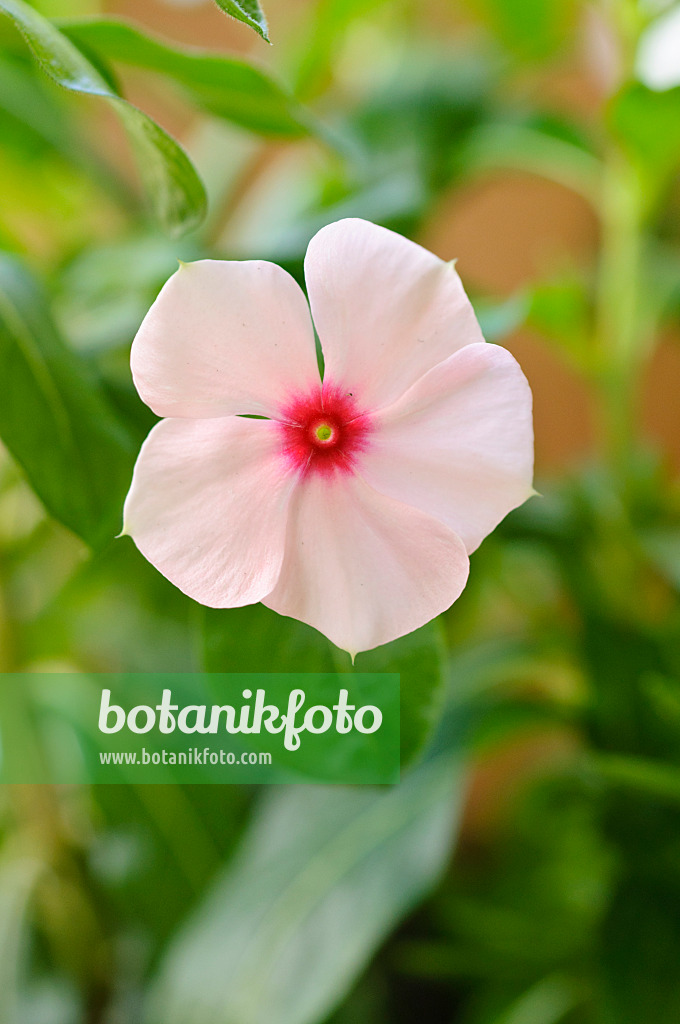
(618, 324)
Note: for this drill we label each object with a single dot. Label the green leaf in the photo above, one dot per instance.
(530, 148)
(547, 1002)
(322, 878)
(654, 778)
(171, 182)
(19, 872)
(419, 659)
(647, 123)
(24, 97)
(532, 29)
(225, 87)
(247, 11)
(320, 37)
(499, 319)
(560, 310)
(640, 942)
(256, 639)
(54, 419)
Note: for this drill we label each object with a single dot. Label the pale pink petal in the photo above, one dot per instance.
(363, 568)
(385, 309)
(208, 507)
(225, 337)
(459, 443)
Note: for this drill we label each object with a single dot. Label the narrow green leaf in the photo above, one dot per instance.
(19, 872)
(247, 11)
(54, 419)
(319, 37)
(322, 878)
(24, 97)
(527, 148)
(653, 778)
(171, 182)
(224, 86)
(547, 1002)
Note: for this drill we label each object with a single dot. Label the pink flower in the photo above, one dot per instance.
(355, 504)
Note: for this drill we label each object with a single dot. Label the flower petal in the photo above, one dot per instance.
(386, 310)
(225, 337)
(208, 507)
(658, 55)
(459, 444)
(363, 568)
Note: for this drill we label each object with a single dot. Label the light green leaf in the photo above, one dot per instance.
(226, 87)
(247, 11)
(19, 872)
(322, 878)
(321, 36)
(647, 123)
(171, 182)
(663, 549)
(54, 418)
(499, 319)
(521, 147)
(559, 309)
(531, 29)
(23, 99)
(547, 1002)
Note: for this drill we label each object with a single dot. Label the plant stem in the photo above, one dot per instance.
(618, 320)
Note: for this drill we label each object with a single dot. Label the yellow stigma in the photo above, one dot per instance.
(324, 432)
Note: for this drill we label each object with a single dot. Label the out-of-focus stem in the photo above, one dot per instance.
(619, 325)
(618, 320)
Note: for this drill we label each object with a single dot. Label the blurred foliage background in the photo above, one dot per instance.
(527, 869)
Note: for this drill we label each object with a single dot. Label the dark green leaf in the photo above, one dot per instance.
(54, 419)
(247, 11)
(256, 639)
(640, 952)
(226, 87)
(323, 877)
(171, 181)
(419, 659)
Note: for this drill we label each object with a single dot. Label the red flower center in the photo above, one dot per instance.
(324, 431)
